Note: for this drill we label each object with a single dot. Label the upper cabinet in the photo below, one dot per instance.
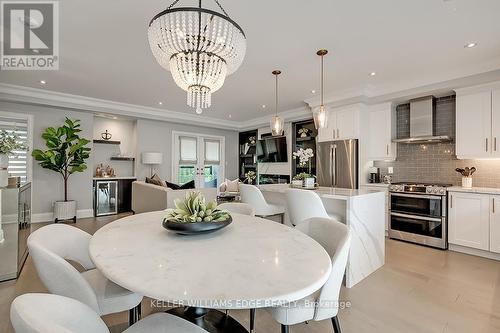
(382, 128)
(478, 123)
(342, 123)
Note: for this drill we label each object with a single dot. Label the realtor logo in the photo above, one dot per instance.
(30, 35)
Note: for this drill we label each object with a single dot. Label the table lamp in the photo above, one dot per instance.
(152, 158)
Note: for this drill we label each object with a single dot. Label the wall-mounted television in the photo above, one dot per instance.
(272, 149)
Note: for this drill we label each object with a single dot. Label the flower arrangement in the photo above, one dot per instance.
(304, 156)
(9, 141)
(303, 132)
(250, 176)
(302, 176)
(193, 208)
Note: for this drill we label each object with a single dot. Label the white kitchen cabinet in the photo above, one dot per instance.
(469, 220)
(342, 123)
(495, 224)
(473, 125)
(380, 145)
(495, 122)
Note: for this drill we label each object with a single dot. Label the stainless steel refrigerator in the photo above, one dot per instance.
(337, 163)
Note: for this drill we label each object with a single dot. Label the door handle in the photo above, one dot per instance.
(493, 208)
(387, 149)
(495, 143)
(486, 144)
(338, 133)
(451, 201)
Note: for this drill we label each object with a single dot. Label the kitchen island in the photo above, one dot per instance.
(363, 211)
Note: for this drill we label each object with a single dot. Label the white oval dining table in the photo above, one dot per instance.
(252, 263)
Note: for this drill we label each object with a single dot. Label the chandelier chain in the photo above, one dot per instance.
(322, 79)
(276, 105)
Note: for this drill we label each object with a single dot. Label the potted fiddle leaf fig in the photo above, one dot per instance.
(66, 154)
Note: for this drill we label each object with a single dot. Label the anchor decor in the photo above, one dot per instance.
(106, 135)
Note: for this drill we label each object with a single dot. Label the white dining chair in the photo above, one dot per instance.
(251, 195)
(304, 204)
(46, 313)
(323, 304)
(52, 246)
(238, 208)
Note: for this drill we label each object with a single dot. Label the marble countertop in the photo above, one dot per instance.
(483, 190)
(114, 178)
(324, 192)
(383, 185)
(251, 263)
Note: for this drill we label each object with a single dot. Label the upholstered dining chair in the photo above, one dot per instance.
(238, 208)
(304, 204)
(46, 313)
(323, 304)
(52, 246)
(251, 195)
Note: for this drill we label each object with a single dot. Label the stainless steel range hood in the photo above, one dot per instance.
(422, 122)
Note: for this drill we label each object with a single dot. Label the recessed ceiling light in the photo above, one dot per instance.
(230, 116)
(373, 73)
(313, 91)
(263, 106)
(470, 45)
(160, 103)
(43, 82)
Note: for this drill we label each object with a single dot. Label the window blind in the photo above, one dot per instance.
(18, 161)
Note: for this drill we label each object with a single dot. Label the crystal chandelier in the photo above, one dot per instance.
(276, 121)
(319, 114)
(199, 46)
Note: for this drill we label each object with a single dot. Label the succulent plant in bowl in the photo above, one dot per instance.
(193, 215)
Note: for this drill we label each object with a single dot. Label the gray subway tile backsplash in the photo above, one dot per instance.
(436, 162)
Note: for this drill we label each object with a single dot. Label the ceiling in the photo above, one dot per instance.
(104, 51)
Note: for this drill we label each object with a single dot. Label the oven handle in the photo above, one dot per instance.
(416, 196)
(415, 217)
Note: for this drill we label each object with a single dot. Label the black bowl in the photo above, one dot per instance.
(195, 228)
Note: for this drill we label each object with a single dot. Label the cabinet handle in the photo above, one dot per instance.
(486, 144)
(495, 143)
(451, 201)
(493, 200)
(338, 133)
(387, 149)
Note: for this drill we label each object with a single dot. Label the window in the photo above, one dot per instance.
(18, 161)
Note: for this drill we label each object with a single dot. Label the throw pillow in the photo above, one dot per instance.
(188, 185)
(232, 185)
(155, 180)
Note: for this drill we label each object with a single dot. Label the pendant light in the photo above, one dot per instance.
(276, 121)
(319, 114)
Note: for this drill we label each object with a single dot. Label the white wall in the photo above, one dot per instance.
(47, 185)
(157, 136)
(284, 168)
(122, 130)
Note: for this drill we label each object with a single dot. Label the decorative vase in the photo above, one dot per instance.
(467, 182)
(65, 210)
(303, 135)
(309, 182)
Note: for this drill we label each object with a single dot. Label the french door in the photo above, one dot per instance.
(198, 158)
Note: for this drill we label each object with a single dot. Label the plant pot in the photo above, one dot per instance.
(4, 177)
(65, 210)
(467, 182)
(4, 161)
(297, 183)
(309, 182)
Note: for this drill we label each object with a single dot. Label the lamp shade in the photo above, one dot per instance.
(152, 158)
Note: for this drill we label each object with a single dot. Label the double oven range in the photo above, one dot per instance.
(418, 213)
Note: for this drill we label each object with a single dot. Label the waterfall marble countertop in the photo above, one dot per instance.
(478, 190)
(114, 178)
(324, 192)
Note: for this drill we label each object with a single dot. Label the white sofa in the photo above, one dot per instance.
(149, 197)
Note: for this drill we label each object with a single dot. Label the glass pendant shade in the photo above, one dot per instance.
(200, 47)
(319, 116)
(277, 126)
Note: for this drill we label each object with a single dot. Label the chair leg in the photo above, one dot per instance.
(133, 315)
(252, 320)
(283, 218)
(336, 324)
(284, 329)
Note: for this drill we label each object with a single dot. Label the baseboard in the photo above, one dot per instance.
(474, 252)
(48, 217)
(9, 218)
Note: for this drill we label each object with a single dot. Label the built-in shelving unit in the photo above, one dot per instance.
(248, 153)
(107, 142)
(301, 141)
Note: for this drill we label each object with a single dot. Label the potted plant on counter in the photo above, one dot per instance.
(9, 143)
(305, 156)
(66, 154)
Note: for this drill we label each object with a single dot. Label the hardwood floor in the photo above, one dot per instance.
(419, 290)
